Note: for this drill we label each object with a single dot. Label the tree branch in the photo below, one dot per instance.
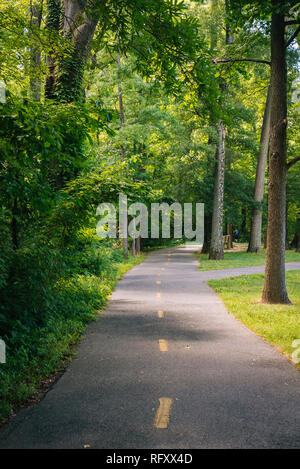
(288, 22)
(293, 36)
(292, 162)
(224, 61)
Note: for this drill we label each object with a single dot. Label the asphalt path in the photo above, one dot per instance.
(166, 366)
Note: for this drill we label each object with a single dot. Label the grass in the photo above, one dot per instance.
(278, 324)
(241, 259)
(42, 352)
(123, 267)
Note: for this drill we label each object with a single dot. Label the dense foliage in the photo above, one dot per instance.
(129, 105)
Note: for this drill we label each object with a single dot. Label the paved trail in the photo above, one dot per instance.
(165, 334)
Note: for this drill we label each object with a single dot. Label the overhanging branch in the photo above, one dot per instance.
(289, 22)
(225, 61)
(292, 162)
(293, 36)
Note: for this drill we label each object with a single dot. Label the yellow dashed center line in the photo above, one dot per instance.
(160, 314)
(158, 295)
(163, 268)
(163, 345)
(158, 282)
(162, 416)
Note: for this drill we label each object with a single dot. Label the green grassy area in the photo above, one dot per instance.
(241, 259)
(34, 353)
(278, 324)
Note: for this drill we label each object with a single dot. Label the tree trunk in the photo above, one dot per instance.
(244, 220)
(216, 245)
(120, 95)
(138, 246)
(207, 233)
(53, 20)
(65, 74)
(229, 37)
(256, 224)
(274, 284)
(296, 240)
(122, 122)
(229, 233)
(36, 9)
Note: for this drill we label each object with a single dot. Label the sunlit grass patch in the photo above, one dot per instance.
(278, 324)
(241, 259)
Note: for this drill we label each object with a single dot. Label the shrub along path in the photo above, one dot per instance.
(166, 366)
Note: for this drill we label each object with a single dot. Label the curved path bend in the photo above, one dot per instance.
(166, 366)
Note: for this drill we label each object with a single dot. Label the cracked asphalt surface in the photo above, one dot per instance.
(230, 389)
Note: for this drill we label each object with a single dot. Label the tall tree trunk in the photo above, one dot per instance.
(207, 233)
(216, 245)
(229, 37)
(256, 225)
(77, 21)
(296, 240)
(36, 10)
(274, 290)
(120, 95)
(122, 122)
(229, 233)
(138, 245)
(53, 21)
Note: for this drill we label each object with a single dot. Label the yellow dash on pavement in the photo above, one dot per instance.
(158, 282)
(163, 268)
(158, 275)
(162, 416)
(158, 295)
(160, 313)
(163, 345)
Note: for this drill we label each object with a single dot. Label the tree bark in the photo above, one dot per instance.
(53, 20)
(138, 246)
(122, 122)
(296, 240)
(36, 10)
(229, 37)
(207, 233)
(274, 290)
(229, 233)
(256, 225)
(216, 245)
(65, 74)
